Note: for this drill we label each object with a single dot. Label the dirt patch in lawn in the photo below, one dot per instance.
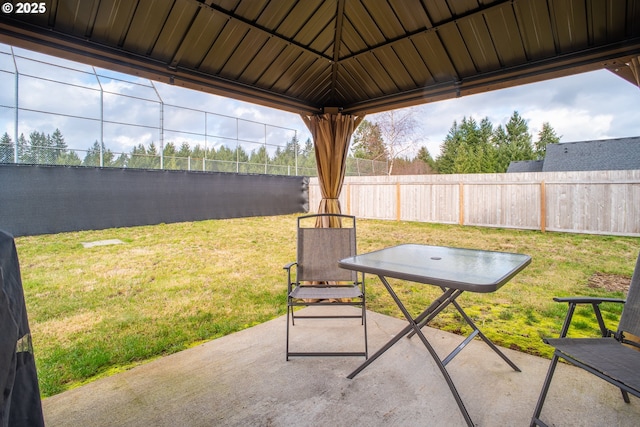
(610, 282)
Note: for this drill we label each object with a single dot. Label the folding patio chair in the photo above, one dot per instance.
(614, 357)
(317, 280)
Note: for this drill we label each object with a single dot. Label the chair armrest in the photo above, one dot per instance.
(595, 302)
(587, 300)
(288, 268)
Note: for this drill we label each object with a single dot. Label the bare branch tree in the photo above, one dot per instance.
(399, 130)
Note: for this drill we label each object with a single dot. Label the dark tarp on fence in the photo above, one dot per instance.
(20, 395)
(51, 199)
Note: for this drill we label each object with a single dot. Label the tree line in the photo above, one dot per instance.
(43, 148)
(469, 147)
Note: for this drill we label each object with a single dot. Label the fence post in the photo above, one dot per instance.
(543, 207)
(16, 150)
(398, 201)
(461, 203)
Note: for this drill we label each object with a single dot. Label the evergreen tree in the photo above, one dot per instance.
(227, 159)
(292, 150)
(241, 155)
(473, 148)
(169, 157)
(23, 149)
(6, 149)
(288, 155)
(59, 145)
(308, 163)
(368, 143)
(169, 149)
(197, 152)
(467, 148)
(513, 143)
(138, 157)
(200, 154)
(122, 161)
(63, 156)
(445, 162)
(501, 145)
(519, 138)
(425, 156)
(546, 136)
(488, 157)
(39, 150)
(259, 157)
(69, 158)
(185, 151)
(92, 157)
(225, 153)
(153, 157)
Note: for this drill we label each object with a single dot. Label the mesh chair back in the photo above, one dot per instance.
(320, 249)
(630, 320)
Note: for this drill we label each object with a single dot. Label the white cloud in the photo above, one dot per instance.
(571, 124)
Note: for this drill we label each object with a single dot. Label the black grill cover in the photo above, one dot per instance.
(20, 403)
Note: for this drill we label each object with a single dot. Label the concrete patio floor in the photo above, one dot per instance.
(243, 380)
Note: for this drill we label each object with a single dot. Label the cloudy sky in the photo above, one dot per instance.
(595, 105)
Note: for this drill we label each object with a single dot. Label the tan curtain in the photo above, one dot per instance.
(331, 136)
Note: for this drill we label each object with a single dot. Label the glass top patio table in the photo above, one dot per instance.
(465, 269)
(454, 270)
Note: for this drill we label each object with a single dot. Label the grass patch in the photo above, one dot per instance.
(97, 311)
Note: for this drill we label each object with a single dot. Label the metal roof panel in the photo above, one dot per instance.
(411, 14)
(534, 21)
(480, 44)
(318, 32)
(75, 17)
(506, 36)
(113, 21)
(457, 49)
(361, 55)
(384, 18)
(413, 63)
(146, 25)
(174, 29)
(434, 55)
(362, 23)
(570, 25)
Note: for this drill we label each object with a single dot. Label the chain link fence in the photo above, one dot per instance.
(39, 93)
(53, 156)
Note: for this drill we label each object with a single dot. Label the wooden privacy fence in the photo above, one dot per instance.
(595, 202)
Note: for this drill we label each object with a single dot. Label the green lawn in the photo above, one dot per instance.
(96, 311)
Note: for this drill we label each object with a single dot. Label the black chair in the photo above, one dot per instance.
(612, 357)
(317, 280)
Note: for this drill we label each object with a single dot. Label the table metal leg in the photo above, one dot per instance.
(435, 305)
(451, 296)
(476, 331)
(413, 326)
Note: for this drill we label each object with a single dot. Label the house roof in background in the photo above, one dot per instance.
(606, 154)
(354, 56)
(525, 166)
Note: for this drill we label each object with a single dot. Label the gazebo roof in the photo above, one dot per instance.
(354, 56)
